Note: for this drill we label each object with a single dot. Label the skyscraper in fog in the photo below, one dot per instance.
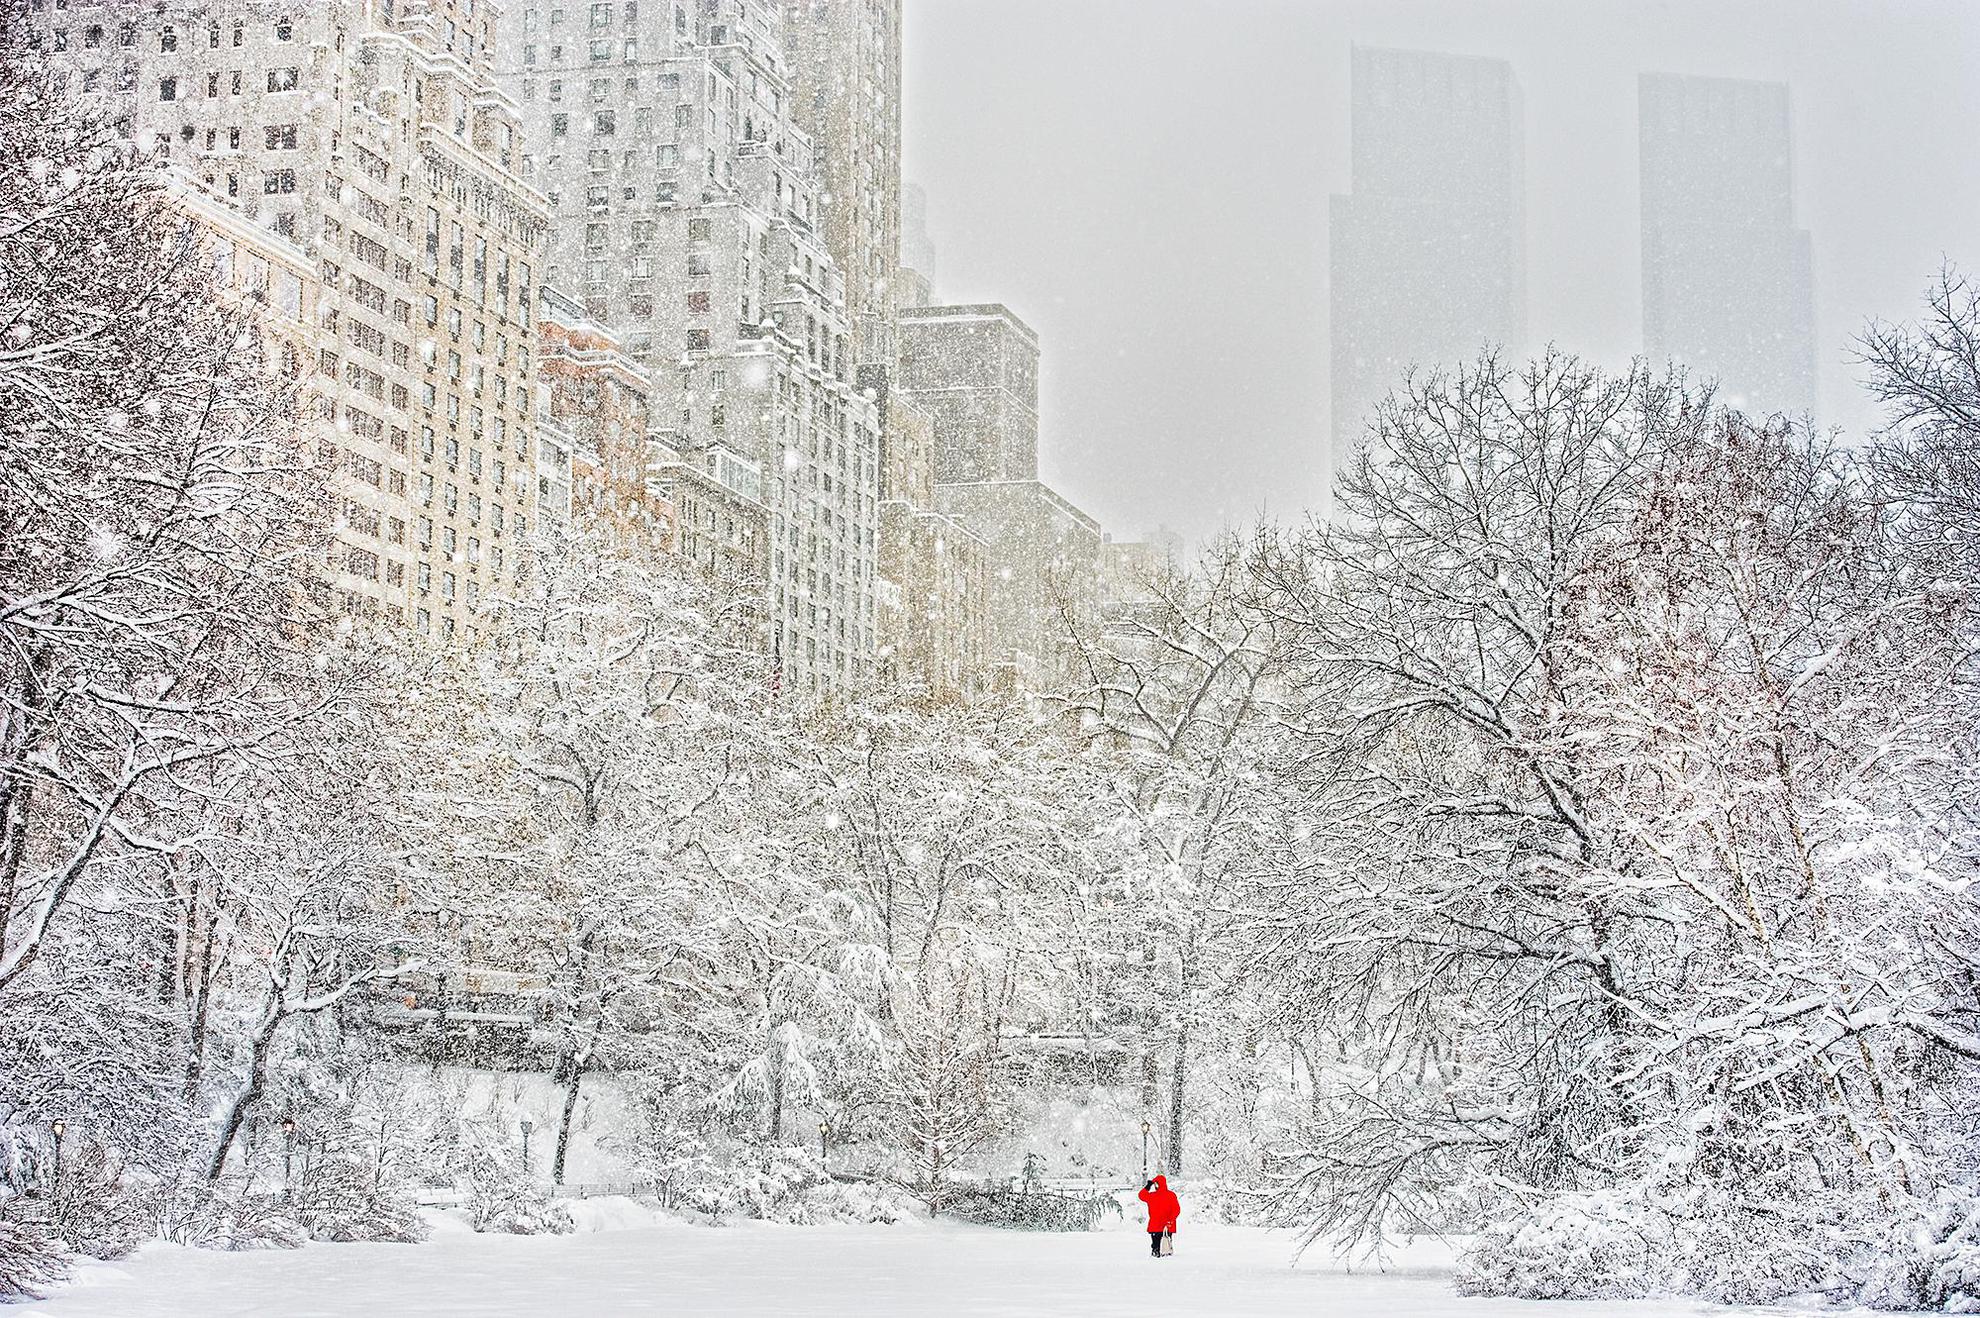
(1727, 285)
(1429, 248)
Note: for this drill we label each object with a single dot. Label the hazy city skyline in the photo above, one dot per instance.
(1185, 338)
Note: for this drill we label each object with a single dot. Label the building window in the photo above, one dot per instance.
(697, 340)
(279, 137)
(697, 303)
(284, 29)
(168, 89)
(560, 124)
(604, 123)
(168, 38)
(283, 80)
(278, 181)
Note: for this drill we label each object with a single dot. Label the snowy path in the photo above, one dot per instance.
(908, 1271)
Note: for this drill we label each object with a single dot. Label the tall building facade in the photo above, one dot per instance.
(1428, 249)
(845, 58)
(975, 369)
(1728, 288)
(360, 151)
(686, 217)
(936, 623)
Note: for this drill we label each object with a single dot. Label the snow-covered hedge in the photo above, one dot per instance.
(1575, 1246)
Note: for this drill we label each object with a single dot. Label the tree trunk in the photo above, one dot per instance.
(573, 1080)
(564, 1125)
(776, 1096)
(1174, 1156)
(250, 1094)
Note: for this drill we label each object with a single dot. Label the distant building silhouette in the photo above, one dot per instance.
(1429, 248)
(1727, 282)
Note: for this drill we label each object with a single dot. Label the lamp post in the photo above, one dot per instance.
(288, 1153)
(527, 1126)
(1145, 1128)
(823, 1131)
(58, 1128)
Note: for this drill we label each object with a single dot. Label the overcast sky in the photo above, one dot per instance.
(1146, 183)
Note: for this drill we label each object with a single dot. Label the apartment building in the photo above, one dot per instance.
(845, 58)
(721, 525)
(370, 135)
(686, 218)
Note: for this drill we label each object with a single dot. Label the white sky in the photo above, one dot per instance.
(1146, 183)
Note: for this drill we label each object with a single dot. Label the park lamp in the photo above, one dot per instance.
(1146, 1127)
(59, 1126)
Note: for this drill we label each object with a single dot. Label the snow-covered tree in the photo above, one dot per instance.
(1177, 695)
(1621, 727)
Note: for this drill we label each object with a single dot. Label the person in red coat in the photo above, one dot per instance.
(1163, 1209)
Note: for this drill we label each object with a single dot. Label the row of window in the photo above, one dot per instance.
(95, 36)
(279, 80)
(602, 14)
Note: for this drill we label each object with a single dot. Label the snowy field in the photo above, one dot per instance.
(906, 1271)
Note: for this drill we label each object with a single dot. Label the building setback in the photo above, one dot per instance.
(370, 137)
(974, 370)
(1428, 249)
(686, 219)
(1728, 288)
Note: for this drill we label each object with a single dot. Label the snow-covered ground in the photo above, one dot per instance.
(906, 1271)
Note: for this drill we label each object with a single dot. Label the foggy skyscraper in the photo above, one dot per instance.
(1727, 285)
(1428, 250)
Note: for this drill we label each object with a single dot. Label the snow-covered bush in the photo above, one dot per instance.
(95, 1209)
(346, 1200)
(205, 1216)
(501, 1199)
(31, 1260)
(1038, 1210)
(1598, 1245)
(1929, 1258)
(771, 1184)
(849, 1201)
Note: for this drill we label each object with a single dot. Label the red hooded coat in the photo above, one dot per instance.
(1163, 1206)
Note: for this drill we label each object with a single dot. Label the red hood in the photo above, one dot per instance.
(1161, 1182)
